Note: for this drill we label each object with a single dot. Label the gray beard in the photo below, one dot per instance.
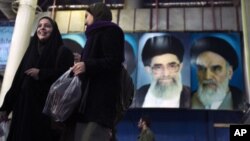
(207, 96)
(166, 91)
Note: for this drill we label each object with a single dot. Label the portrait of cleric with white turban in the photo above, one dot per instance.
(215, 60)
(162, 58)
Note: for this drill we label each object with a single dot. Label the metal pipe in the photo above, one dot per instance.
(157, 14)
(139, 4)
(191, 3)
(245, 4)
(53, 9)
(6, 1)
(19, 43)
(80, 7)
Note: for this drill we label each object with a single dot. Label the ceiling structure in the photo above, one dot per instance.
(7, 7)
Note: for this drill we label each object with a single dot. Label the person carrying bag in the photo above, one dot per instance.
(64, 95)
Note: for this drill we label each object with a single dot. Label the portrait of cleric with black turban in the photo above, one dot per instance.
(162, 58)
(215, 60)
(130, 58)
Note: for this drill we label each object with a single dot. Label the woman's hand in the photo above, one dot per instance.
(33, 72)
(78, 68)
(77, 57)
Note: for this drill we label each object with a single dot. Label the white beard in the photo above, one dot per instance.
(164, 95)
(166, 91)
(208, 96)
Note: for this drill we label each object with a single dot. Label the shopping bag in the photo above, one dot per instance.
(63, 97)
(4, 129)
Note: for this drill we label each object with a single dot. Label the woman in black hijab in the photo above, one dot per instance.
(44, 61)
(100, 67)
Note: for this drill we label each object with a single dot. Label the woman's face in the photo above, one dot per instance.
(44, 29)
(89, 19)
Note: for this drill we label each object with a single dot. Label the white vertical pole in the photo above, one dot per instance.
(20, 40)
(245, 4)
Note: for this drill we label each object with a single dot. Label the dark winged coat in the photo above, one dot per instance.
(103, 56)
(27, 95)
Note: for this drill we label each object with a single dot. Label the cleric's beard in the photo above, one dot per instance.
(167, 91)
(208, 95)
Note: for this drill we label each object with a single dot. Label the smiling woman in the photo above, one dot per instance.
(44, 61)
(44, 29)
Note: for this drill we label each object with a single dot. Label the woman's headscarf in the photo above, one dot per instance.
(100, 12)
(50, 47)
(102, 18)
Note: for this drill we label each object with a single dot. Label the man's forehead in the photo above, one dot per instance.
(165, 58)
(209, 58)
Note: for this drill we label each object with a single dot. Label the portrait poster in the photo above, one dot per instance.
(74, 41)
(146, 80)
(131, 55)
(5, 40)
(215, 85)
(234, 90)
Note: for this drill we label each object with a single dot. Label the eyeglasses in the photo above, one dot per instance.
(171, 67)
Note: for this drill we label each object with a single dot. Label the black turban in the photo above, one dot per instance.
(100, 12)
(73, 45)
(160, 45)
(216, 45)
